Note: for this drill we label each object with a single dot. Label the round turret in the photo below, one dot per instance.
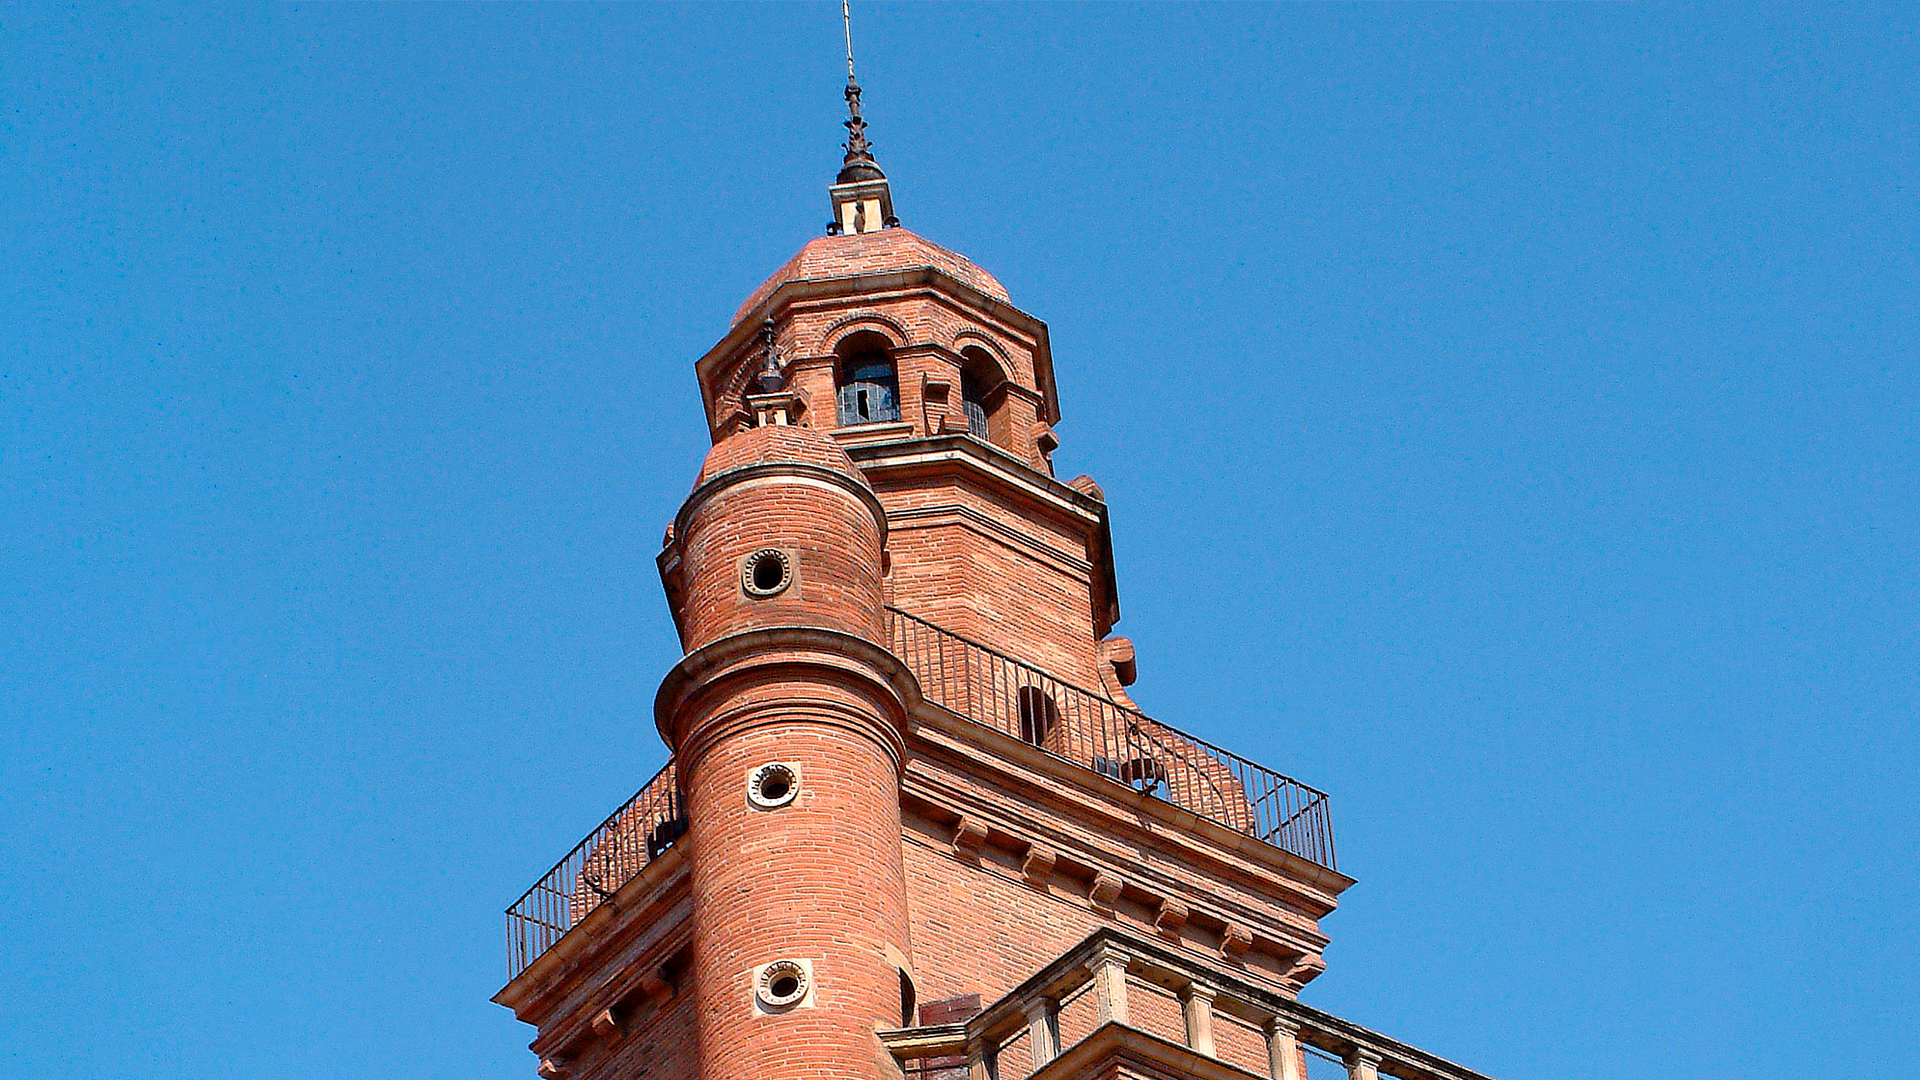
(786, 719)
(781, 530)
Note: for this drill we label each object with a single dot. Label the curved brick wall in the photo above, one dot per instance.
(818, 880)
(791, 489)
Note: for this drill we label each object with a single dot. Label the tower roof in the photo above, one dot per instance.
(779, 443)
(885, 251)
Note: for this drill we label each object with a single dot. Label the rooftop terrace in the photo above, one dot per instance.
(989, 688)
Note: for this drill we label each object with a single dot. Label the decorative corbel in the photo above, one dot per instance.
(1104, 892)
(1235, 942)
(1171, 917)
(606, 1022)
(969, 837)
(656, 985)
(1037, 867)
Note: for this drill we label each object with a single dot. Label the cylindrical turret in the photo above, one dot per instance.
(786, 720)
(781, 530)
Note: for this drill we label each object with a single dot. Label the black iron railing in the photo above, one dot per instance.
(609, 857)
(990, 688)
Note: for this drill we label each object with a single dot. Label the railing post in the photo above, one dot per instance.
(1043, 1032)
(1109, 969)
(1283, 1049)
(1196, 1001)
(1363, 1065)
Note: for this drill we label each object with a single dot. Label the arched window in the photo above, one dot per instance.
(868, 392)
(974, 401)
(1144, 773)
(1038, 715)
(907, 998)
(979, 378)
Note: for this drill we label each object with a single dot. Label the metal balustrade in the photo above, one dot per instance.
(988, 687)
(609, 857)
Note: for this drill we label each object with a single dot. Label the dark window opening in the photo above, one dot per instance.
(767, 573)
(1146, 774)
(663, 836)
(979, 378)
(1038, 715)
(906, 998)
(973, 403)
(775, 785)
(868, 391)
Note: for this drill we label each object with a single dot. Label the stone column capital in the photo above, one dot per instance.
(1278, 1024)
(1199, 991)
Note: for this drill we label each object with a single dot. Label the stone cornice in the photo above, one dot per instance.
(1154, 962)
(1003, 753)
(647, 910)
(991, 528)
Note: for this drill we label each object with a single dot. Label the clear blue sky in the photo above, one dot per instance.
(1508, 415)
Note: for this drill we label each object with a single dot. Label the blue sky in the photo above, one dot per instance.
(1507, 414)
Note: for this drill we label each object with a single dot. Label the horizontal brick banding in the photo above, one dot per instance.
(785, 492)
(819, 879)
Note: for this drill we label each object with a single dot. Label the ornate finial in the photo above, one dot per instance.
(862, 201)
(858, 164)
(772, 378)
(766, 394)
(858, 151)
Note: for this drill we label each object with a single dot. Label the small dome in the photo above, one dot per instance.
(855, 172)
(828, 257)
(778, 443)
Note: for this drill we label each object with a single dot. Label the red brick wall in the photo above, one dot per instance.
(829, 532)
(658, 1047)
(819, 879)
(977, 933)
(1030, 599)
(828, 879)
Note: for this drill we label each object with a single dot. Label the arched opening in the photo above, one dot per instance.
(980, 383)
(907, 998)
(1144, 774)
(867, 390)
(1038, 715)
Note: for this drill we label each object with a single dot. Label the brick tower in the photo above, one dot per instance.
(913, 824)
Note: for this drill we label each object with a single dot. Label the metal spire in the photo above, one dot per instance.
(862, 201)
(846, 18)
(858, 164)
